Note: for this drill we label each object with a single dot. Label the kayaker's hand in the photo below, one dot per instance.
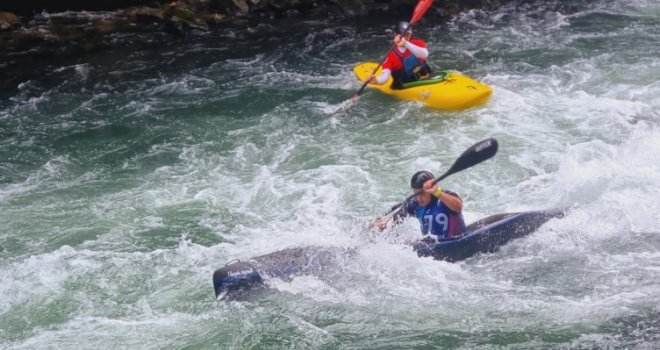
(370, 79)
(381, 223)
(453, 202)
(400, 41)
(432, 188)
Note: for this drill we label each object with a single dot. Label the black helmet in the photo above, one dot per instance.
(402, 27)
(419, 178)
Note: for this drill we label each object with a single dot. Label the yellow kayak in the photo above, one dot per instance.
(449, 91)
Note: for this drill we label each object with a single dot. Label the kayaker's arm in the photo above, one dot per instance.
(450, 199)
(381, 78)
(420, 52)
(407, 209)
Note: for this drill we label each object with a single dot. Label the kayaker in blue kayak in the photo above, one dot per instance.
(406, 62)
(438, 211)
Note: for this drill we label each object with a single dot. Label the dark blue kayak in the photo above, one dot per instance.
(488, 234)
(483, 236)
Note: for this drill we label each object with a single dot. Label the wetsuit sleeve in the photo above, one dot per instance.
(408, 208)
(418, 50)
(386, 72)
(451, 194)
(383, 76)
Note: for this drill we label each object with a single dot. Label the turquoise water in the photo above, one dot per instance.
(128, 176)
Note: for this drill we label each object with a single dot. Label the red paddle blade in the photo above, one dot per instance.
(420, 9)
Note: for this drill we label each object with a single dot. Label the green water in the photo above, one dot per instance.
(128, 176)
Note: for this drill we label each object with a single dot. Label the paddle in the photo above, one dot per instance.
(474, 155)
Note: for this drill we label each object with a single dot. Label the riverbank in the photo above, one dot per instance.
(38, 34)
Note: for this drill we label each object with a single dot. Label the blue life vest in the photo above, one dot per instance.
(437, 219)
(412, 66)
(413, 69)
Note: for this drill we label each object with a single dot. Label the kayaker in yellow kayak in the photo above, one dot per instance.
(405, 63)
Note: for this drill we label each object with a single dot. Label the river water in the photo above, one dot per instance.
(128, 176)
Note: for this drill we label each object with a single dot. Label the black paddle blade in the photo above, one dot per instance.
(474, 155)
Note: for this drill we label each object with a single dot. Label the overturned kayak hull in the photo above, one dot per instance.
(484, 236)
(450, 92)
(237, 276)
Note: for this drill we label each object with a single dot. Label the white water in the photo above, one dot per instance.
(110, 235)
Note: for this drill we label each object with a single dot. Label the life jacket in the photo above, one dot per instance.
(413, 69)
(437, 219)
